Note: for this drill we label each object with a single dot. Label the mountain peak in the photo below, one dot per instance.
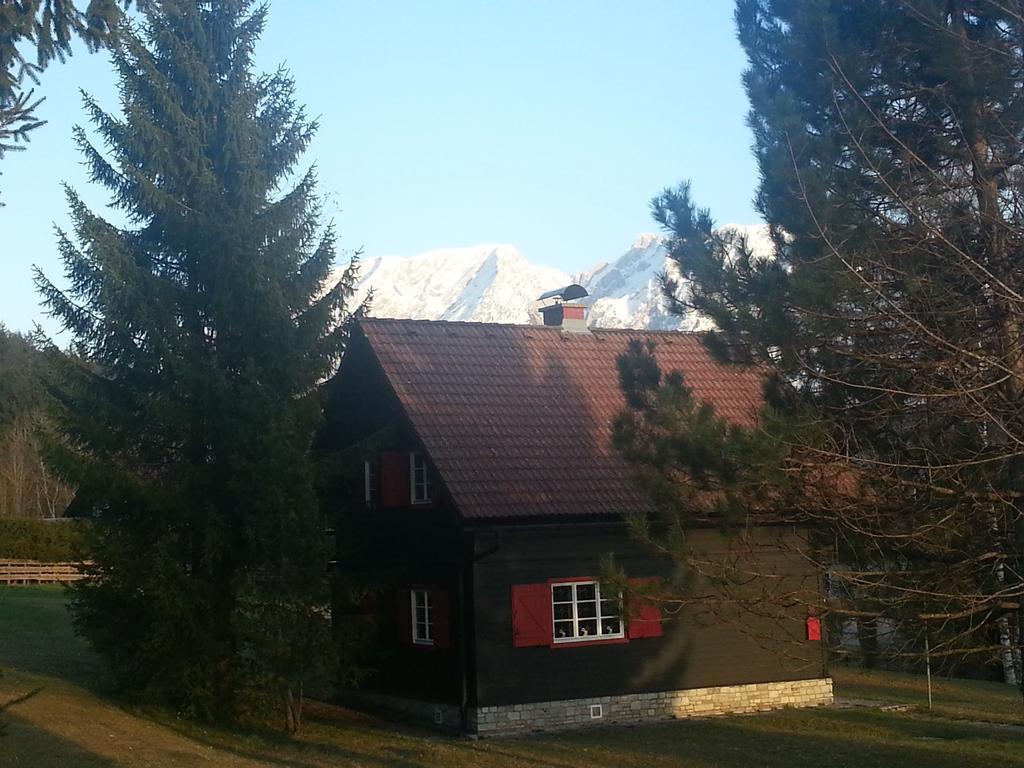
(494, 282)
(645, 240)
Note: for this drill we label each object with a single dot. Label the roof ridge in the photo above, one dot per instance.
(523, 326)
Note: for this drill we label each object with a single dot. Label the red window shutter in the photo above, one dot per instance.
(441, 615)
(531, 615)
(394, 479)
(644, 616)
(404, 617)
(814, 628)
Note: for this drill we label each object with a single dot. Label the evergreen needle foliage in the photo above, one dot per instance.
(889, 139)
(203, 329)
(48, 27)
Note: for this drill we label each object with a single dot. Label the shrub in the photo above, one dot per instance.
(23, 538)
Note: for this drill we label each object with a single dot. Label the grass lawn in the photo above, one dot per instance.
(951, 698)
(69, 724)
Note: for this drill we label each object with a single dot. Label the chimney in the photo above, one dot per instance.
(560, 308)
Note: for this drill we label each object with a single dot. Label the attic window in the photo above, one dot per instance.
(580, 614)
(419, 479)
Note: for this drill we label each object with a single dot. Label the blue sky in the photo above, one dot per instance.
(548, 125)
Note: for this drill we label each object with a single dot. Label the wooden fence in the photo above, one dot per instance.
(35, 572)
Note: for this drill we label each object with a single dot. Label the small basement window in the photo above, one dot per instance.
(580, 613)
(419, 479)
(422, 617)
(369, 482)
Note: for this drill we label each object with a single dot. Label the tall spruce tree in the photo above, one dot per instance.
(203, 328)
(890, 140)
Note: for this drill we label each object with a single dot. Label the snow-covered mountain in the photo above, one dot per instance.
(496, 283)
(487, 283)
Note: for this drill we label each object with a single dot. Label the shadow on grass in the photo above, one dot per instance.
(28, 745)
(371, 743)
(38, 637)
(849, 738)
(338, 736)
(839, 738)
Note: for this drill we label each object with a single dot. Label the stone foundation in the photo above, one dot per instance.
(640, 707)
(604, 710)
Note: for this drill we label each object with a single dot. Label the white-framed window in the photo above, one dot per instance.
(422, 617)
(579, 612)
(419, 479)
(369, 481)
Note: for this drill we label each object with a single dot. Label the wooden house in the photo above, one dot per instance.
(484, 490)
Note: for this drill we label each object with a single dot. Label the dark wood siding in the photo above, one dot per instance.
(383, 551)
(396, 553)
(357, 402)
(419, 672)
(695, 651)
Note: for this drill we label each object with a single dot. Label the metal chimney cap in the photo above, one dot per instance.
(569, 293)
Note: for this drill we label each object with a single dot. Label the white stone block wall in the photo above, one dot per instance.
(640, 707)
(624, 709)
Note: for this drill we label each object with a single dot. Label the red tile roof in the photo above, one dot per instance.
(517, 419)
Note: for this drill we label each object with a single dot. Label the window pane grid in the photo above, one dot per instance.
(422, 618)
(580, 613)
(421, 485)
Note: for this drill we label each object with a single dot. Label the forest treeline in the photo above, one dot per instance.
(27, 487)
